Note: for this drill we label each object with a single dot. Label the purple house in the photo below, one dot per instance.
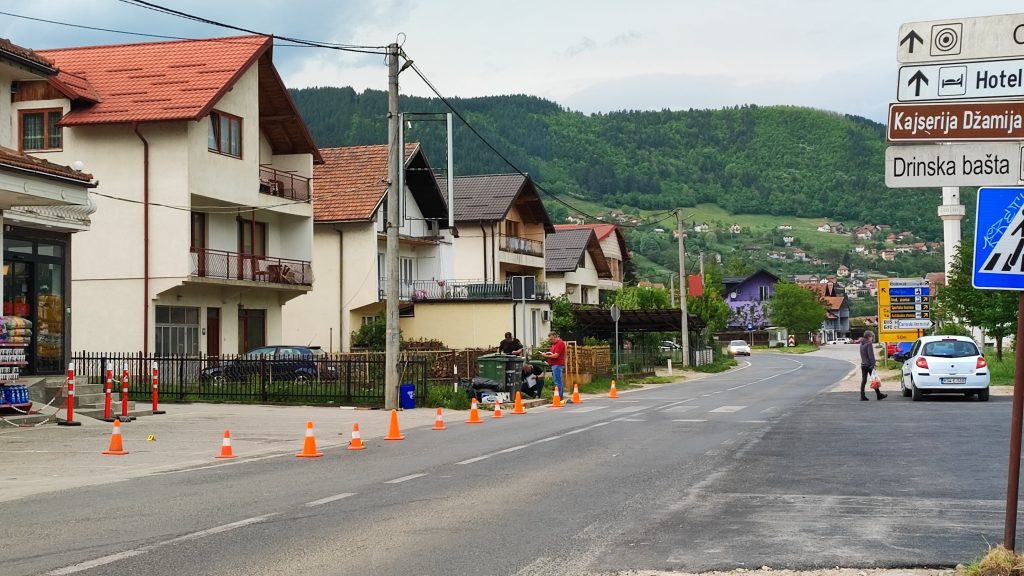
(748, 297)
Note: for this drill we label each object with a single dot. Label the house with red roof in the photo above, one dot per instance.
(575, 264)
(349, 246)
(43, 201)
(204, 221)
(613, 247)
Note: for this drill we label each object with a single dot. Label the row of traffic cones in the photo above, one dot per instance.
(309, 449)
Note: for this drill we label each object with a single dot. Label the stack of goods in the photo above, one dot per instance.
(15, 330)
(50, 328)
(14, 394)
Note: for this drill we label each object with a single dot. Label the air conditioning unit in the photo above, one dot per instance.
(545, 315)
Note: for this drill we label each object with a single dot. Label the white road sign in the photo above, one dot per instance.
(954, 164)
(962, 81)
(961, 39)
(908, 324)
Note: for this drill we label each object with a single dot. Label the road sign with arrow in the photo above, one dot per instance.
(961, 39)
(983, 79)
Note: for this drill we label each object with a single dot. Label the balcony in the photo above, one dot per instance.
(284, 184)
(517, 245)
(234, 266)
(433, 290)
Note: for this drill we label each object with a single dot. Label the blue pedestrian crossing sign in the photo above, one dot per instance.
(999, 239)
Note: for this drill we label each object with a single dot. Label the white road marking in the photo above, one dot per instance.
(769, 410)
(689, 420)
(329, 499)
(512, 449)
(81, 567)
(728, 409)
(630, 409)
(680, 408)
(589, 409)
(632, 420)
(405, 478)
(221, 464)
(755, 422)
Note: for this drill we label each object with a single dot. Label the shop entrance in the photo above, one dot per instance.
(34, 302)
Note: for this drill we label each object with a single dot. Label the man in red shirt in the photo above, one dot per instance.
(556, 359)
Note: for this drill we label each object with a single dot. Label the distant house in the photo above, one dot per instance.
(843, 271)
(837, 228)
(888, 255)
(788, 239)
(574, 262)
(890, 238)
(824, 228)
(799, 254)
(702, 228)
(805, 278)
(735, 229)
(837, 320)
(860, 249)
(613, 247)
(748, 298)
(785, 227)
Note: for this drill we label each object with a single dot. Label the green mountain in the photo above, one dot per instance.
(752, 160)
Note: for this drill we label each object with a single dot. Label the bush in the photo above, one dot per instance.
(445, 396)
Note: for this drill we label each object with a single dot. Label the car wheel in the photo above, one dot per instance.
(218, 380)
(983, 395)
(903, 387)
(302, 379)
(915, 391)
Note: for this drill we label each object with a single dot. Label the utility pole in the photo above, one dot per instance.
(396, 160)
(685, 341)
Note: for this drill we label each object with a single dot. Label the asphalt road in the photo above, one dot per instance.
(753, 467)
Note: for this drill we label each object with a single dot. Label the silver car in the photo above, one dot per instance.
(738, 348)
(945, 365)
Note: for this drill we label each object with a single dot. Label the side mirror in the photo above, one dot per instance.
(901, 356)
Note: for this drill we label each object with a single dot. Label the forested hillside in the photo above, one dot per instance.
(750, 160)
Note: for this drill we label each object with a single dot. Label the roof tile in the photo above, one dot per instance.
(351, 182)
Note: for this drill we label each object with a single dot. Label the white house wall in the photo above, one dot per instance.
(316, 316)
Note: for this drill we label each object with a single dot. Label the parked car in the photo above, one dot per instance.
(738, 348)
(840, 341)
(291, 363)
(945, 365)
(670, 346)
(895, 349)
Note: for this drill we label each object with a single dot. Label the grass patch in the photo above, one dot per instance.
(1001, 373)
(446, 397)
(798, 349)
(998, 562)
(720, 365)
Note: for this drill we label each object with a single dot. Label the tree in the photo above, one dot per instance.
(995, 311)
(640, 298)
(711, 309)
(562, 319)
(796, 308)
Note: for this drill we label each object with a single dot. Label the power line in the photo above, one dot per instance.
(206, 209)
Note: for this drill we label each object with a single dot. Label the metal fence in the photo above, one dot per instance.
(344, 379)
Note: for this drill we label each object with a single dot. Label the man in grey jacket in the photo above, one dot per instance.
(867, 363)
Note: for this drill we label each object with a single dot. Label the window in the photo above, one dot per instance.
(198, 230)
(764, 293)
(177, 330)
(39, 130)
(225, 136)
(252, 242)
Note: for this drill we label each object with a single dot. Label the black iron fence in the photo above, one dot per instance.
(342, 379)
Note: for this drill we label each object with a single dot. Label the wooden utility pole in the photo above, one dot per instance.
(685, 340)
(396, 160)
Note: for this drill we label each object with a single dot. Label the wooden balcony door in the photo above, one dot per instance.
(199, 235)
(252, 248)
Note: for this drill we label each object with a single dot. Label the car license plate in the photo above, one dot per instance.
(953, 380)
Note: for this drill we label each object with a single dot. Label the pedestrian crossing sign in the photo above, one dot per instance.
(999, 239)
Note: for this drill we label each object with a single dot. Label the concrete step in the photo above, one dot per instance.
(97, 412)
(24, 419)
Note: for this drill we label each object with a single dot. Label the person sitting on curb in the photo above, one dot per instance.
(533, 383)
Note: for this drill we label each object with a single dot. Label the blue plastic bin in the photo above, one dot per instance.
(407, 396)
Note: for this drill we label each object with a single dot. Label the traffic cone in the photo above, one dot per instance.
(518, 408)
(357, 440)
(474, 414)
(309, 445)
(556, 400)
(576, 394)
(497, 408)
(393, 432)
(116, 446)
(439, 421)
(225, 447)
(613, 392)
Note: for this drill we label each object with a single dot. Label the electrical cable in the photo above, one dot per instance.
(207, 209)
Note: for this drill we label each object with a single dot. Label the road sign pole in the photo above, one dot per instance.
(1013, 477)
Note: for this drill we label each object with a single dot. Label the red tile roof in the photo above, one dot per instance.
(154, 81)
(22, 161)
(601, 230)
(33, 57)
(351, 182)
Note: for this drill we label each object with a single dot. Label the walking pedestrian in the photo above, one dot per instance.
(556, 359)
(867, 364)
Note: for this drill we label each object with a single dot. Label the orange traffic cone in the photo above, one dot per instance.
(225, 446)
(497, 408)
(439, 421)
(309, 446)
(474, 414)
(613, 393)
(556, 399)
(576, 394)
(518, 408)
(357, 440)
(116, 447)
(393, 432)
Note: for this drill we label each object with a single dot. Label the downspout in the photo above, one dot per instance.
(483, 243)
(145, 239)
(494, 254)
(341, 290)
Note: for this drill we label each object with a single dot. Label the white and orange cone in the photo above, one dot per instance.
(497, 408)
(357, 439)
(309, 445)
(116, 445)
(225, 446)
(439, 421)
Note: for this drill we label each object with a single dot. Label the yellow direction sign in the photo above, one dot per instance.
(904, 307)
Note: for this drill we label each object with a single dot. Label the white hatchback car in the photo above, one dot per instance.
(738, 348)
(945, 365)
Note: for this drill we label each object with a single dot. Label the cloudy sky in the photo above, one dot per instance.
(592, 56)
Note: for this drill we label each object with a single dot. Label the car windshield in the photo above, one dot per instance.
(738, 343)
(950, 349)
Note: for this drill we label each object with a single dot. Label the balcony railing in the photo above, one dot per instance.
(426, 290)
(284, 184)
(208, 263)
(518, 245)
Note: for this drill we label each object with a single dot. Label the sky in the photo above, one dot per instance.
(591, 56)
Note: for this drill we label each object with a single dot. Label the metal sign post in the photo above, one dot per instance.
(524, 288)
(616, 313)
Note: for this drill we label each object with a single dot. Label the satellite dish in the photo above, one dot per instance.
(732, 295)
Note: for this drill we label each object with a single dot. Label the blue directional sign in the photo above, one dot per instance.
(921, 291)
(999, 239)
